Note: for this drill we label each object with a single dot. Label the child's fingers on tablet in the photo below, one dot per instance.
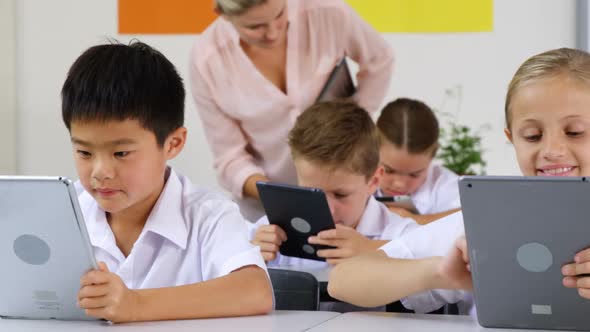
(584, 292)
(582, 268)
(583, 282)
(332, 253)
(328, 234)
(96, 313)
(461, 243)
(93, 291)
(268, 247)
(93, 302)
(94, 277)
(582, 256)
(569, 270)
(569, 282)
(269, 238)
(326, 242)
(340, 232)
(269, 256)
(275, 229)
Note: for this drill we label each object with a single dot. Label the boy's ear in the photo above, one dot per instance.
(375, 179)
(508, 134)
(175, 142)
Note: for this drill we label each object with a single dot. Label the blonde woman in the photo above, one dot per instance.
(263, 62)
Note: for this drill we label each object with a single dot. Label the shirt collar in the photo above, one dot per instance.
(423, 195)
(372, 222)
(166, 218)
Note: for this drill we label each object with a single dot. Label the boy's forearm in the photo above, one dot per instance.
(243, 292)
(375, 279)
(376, 244)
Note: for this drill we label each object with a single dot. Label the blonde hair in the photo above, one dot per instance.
(563, 61)
(338, 135)
(236, 7)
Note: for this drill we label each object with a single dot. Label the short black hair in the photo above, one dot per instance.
(122, 82)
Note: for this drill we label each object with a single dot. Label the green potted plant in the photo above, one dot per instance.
(460, 147)
(460, 150)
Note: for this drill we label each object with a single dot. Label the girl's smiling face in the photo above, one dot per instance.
(550, 127)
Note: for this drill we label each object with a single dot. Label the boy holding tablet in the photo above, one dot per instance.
(166, 249)
(335, 147)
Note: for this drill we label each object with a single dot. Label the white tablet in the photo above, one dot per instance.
(520, 232)
(44, 248)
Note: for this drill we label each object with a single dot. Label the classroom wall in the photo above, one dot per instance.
(7, 88)
(438, 68)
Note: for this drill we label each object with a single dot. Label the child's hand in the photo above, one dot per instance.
(104, 295)
(269, 238)
(576, 275)
(455, 268)
(347, 240)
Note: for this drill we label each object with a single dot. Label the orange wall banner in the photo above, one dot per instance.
(165, 17)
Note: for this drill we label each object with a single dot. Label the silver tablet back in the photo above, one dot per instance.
(44, 248)
(520, 232)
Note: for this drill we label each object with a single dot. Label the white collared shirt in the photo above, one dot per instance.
(433, 239)
(438, 193)
(377, 223)
(191, 235)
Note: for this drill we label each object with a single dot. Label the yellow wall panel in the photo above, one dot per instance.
(426, 15)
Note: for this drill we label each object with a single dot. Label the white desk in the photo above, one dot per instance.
(287, 321)
(398, 322)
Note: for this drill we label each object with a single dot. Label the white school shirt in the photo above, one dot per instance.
(377, 223)
(191, 235)
(433, 239)
(438, 193)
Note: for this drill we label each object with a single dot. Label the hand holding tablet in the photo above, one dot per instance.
(300, 212)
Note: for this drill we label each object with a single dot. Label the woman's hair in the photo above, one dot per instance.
(563, 61)
(236, 7)
(409, 124)
(338, 135)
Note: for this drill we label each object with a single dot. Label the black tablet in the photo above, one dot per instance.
(301, 212)
(339, 84)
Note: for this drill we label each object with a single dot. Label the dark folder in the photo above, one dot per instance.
(339, 84)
